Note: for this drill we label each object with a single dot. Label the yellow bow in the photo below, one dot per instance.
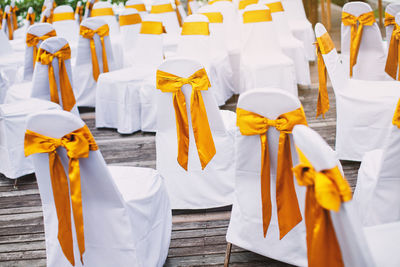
(33, 41)
(393, 58)
(138, 7)
(324, 45)
(77, 144)
(170, 83)
(31, 18)
(251, 123)
(178, 14)
(7, 17)
(79, 12)
(389, 19)
(89, 33)
(14, 10)
(357, 25)
(326, 190)
(190, 12)
(396, 116)
(67, 95)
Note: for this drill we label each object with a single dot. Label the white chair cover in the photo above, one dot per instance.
(195, 188)
(262, 60)
(119, 96)
(204, 49)
(371, 58)
(40, 79)
(68, 29)
(291, 46)
(135, 2)
(169, 19)
(87, 11)
(367, 129)
(300, 26)
(4, 25)
(12, 132)
(391, 9)
(79, 5)
(129, 34)
(109, 19)
(85, 85)
(126, 212)
(246, 225)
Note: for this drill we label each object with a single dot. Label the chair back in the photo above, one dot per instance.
(168, 16)
(138, 5)
(371, 58)
(279, 17)
(130, 24)
(391, 10)
(104, 213)
(217, 29)
(65, 24)
(348, 229)
(294, 9)
(104, 11)
(88, 8)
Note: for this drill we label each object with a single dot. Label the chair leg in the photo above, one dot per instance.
(15, 184)
(227, 254)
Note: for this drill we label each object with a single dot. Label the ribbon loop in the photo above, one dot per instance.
(168, 82)
(389, 19)
(67, 95)
(77, 144)
(250, 123)
(33, 41)
(88, 33)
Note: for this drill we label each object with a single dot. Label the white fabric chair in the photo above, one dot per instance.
(104, 11)
(391, 9)
(290, 45)
(262, 60)
(194, 188)
(371, 58)
(88, 8)
(367, 129)
(246, 225)
(368, 246)
(300, 26)
(66, 26)
(126, 212)
(129, 32)
(85, 83)
(12, 131)
(4, 26)
(138, 5)
(206, 50)
(378, 183)
(120, 101)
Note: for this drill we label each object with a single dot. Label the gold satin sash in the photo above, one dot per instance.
(88, 34)
(63, 16)
(389, 19)
(214, 17)
(214, 1)
(138, 7)
(13, 11)
(357, 25)
(98, 12)
(79, 12)
(31, 18)
(190, 12)
(169, 83)
(250, 123)
(33, 41)
(67, 94)
(393, 57)
(1, 16)
(77, 144)
(131, 19)
(396, 116)
(324, 45)
(244, 3)
(158, 9)
(195, 28)
(275, 7)
(7, 17)
(178, 14)
(253, 16)
(152, 27)
(326, 190)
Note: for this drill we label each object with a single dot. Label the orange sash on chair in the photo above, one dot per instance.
(396, 116)
(31, 18)
(131, 19)
(13, 11)
(393, 57)
(189, 9)
(326, 190)
(357, 25)
(7, 17)
(170, 83)
(77, 144)
(178, 14)
(389, 20)
(1, 16)
(33, 41)
(79, 12)
(67, 95)
(250, 123)
(89, 33)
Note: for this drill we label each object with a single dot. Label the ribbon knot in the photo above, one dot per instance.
(77, 144)
(67, 95)
(168, 82)
(389, 19)
(250, 123)
(326, 190)
(357, 25)
(88, 33)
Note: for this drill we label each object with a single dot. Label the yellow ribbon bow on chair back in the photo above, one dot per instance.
(31, 18)
(164, 8)
(131, 19)
(169, 83)
(13, 11)
(389, 19)
(7, 17)
(195, 28)
(250, 123)
(79, 12)
(138, 7)
(89, 34)
(33, 41)
(77, 144)
(326, 190)
(357, 25)
(324, 45)
(393, 57)
(67, 95)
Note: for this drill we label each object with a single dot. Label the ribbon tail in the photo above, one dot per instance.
(182, 128)
(392, 58)
(104, 55)
(265, 184)
(53, 85)
(67, 94)
(95, 63)
(289, 214)
(323, 99)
